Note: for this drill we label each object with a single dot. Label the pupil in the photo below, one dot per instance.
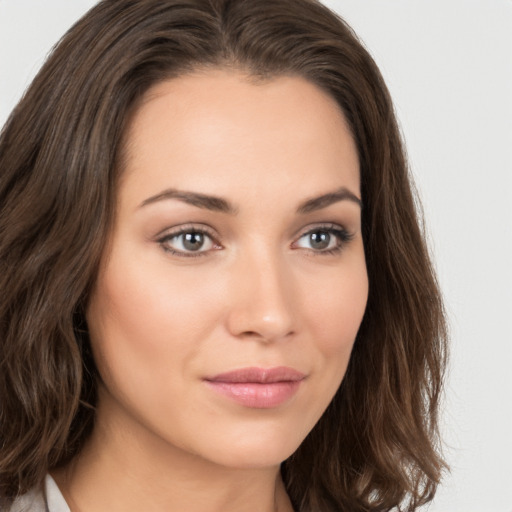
(320, 239)
(193, 241)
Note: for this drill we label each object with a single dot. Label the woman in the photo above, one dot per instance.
(216, 295)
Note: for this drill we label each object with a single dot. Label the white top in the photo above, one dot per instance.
(49, 500)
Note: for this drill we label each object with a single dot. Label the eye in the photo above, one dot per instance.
(324, 239)
(188, 242)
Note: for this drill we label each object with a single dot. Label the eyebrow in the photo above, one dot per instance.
(213, 203)
(325, 200)
(218, 204)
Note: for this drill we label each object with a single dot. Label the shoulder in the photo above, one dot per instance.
(46, 499)
(33, 501)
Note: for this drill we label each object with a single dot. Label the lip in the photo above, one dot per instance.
(259, 388)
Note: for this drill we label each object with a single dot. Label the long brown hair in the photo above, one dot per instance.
(376, 446)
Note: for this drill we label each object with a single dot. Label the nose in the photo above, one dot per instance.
(262, 300)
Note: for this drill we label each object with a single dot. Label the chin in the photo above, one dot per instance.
(252, 458)
(254, 448)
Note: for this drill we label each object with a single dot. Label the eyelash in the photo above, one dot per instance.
(184, 230)
(341, 234)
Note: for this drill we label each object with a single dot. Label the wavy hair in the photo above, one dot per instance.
(377, 445)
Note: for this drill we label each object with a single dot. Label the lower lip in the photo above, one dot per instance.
(257, 395)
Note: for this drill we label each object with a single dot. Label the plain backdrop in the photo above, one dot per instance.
(448, 64)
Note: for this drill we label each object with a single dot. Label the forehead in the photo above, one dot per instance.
(209, 129)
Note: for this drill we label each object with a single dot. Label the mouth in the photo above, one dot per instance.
(259, 388)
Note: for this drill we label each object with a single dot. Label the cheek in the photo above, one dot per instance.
(125, 324)
(148, 325)
(147, 306)
(335, 314)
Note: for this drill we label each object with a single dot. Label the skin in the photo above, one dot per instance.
(257, 293)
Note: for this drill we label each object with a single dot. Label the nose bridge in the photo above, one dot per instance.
(263, 303)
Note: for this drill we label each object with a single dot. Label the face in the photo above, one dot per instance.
(234, 283)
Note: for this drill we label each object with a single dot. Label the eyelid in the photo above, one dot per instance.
(185, 228)
(344, 236)
(170, 233)
(319, 226)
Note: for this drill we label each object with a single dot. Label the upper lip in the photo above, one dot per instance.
(259, 375)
